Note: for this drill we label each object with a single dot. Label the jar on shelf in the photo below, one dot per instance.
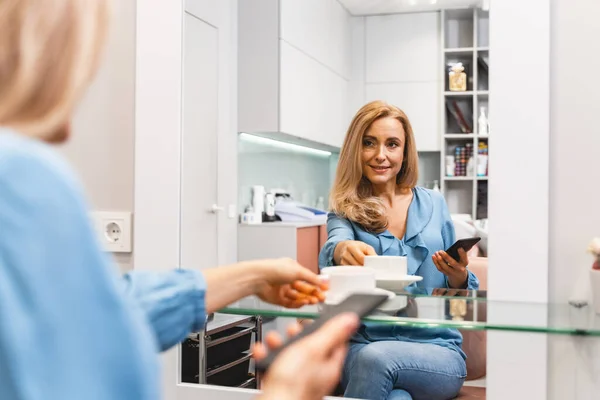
(457, 78)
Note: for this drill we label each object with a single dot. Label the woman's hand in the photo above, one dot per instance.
(287, 283)
(311, 368)
(352, 252)
(456, 271)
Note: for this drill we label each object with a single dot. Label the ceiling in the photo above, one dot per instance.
(370, 7)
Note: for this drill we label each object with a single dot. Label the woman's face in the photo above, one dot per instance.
(383, 151)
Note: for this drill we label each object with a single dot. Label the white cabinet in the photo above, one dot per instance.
(402, 47)
(400, 54)
(319, 29)
(313, 100)
(291, 79)
(420, 102)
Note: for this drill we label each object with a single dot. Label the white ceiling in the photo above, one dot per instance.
(370, 7)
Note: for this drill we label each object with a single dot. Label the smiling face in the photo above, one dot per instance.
(383, 151)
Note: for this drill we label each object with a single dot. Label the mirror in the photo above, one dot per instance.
(304, 69)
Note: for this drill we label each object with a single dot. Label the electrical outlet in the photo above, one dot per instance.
(114, 230)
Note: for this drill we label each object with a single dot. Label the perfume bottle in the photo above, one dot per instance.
(483, 122)
(457, 78)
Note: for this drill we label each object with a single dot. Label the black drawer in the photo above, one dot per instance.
(221, 350)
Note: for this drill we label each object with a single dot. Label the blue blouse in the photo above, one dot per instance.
(70, 327)
(429, 228)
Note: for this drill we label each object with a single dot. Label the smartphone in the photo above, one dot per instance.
(465, 244)
(361, 304)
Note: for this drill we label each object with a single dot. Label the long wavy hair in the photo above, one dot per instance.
(352, 194)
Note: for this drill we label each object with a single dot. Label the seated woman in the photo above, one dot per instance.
(377, 209)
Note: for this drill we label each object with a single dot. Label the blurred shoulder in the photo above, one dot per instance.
(32, 171)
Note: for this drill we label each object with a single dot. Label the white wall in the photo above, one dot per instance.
(305, 176)
(518, 195)
(574, 364)
(102, 145)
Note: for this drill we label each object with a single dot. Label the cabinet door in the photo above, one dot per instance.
(308, 247)
(322, 236)
(313, 99)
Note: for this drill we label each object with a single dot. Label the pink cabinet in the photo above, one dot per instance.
(302, 242)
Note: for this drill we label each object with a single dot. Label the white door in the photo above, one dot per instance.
(199, 169)
(199, 144)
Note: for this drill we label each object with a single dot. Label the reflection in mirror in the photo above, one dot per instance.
(220, 355)
(305, 70)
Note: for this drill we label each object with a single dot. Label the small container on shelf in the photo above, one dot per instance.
(483, 124)
(462, 154)
(482, 159)
(457, 78)
(450, 165)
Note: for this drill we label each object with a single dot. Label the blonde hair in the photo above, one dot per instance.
(352, 194)
(49, 52)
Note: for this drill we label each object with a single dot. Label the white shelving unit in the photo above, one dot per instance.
(464, 39)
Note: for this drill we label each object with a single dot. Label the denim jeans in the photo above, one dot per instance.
(396, 370)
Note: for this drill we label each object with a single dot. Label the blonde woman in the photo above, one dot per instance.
(377, 209)
(70, 329)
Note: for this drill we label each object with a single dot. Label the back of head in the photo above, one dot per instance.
(351, 196)
(49, 52)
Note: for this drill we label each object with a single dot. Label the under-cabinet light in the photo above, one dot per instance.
(282, 145)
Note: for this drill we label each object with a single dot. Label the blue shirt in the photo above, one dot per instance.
(70, 327)
(429, 228)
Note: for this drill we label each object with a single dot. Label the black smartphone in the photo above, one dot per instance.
(465, 244)
(361, 304)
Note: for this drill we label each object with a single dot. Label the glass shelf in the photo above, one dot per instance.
(460, 309)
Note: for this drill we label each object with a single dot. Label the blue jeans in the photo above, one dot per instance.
(394, 370)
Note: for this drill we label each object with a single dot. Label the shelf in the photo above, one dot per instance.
(220, 323)
(465, 38)
(248, 383)
(456, 94)
(459, 136)
(222, 368)
(216, 342)
(429, 308)
(458, 178)
(465, 178)
(459, 50)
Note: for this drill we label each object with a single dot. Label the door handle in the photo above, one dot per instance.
(215, 209)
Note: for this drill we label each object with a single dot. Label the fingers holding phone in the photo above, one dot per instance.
(311, 367)
(453, 262)
(456, 271)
